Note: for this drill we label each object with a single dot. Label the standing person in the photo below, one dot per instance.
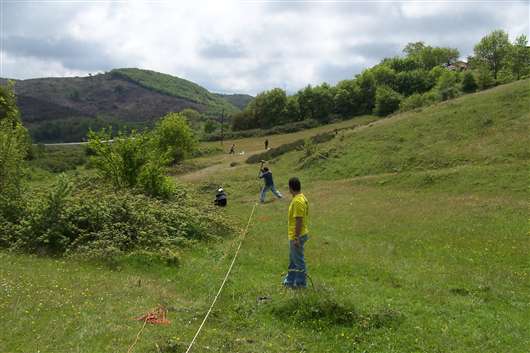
(266, 175)
(297, 231)
(232, 149)
(266, 144)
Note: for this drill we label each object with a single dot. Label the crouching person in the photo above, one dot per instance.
(220, 198)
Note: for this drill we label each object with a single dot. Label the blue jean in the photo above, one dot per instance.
(267, 188)
(296, 275)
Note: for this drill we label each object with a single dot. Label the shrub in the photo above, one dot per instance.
(419, 100)
(412, 102)
(485, 78)
(153, 182)
(469, 84)
(447, 85)
(121, 159)
(85, 217)
(386, 100)
(173, 138)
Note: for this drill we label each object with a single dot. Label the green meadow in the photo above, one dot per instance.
(419, 242)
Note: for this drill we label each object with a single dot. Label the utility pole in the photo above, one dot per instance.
(222, 125)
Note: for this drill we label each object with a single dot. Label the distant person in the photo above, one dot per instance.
(297, 231)
(220, 198)
(266, 175)
(232, 149)
(266, 144)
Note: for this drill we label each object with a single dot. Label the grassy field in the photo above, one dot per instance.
(419, 243)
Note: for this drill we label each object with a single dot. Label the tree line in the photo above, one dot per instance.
(422, 76)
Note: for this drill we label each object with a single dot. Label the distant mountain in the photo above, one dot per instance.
(239, 100)
(63, 109)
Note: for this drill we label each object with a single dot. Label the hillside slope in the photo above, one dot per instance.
(62, 109)
(418, 243)
(490, 127)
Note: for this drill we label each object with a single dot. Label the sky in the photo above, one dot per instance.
(232, 46)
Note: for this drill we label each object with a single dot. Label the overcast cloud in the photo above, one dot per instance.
(239, 46)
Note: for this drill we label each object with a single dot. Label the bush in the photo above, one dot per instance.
(447, 85)
(87, 218)
(386, 100)
(57, 159)
(173, 138)
(419, 100)
(485, 78)
(469, 84)
(152, 181)
(120, 160)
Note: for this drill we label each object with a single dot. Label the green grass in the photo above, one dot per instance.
(177, 87)
(430, 256)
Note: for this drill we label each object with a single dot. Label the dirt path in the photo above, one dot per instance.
(222, 162)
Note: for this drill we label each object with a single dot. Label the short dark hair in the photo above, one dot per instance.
(294, 184)
(265, 169)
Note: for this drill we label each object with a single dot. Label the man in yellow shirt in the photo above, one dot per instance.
(297, 231)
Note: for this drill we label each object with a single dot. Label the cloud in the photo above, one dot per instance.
(239, 46)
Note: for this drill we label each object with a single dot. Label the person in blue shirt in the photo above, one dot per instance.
(266, 175)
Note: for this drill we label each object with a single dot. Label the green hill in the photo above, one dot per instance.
(418, 243)
(177, 87)
(485, 128)
(62, 109)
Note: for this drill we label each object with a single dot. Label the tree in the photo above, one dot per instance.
(492, 51)
(347, 98)
(447, 85)
(14, 145)
(386, 101)
(428, 56)
(416, 81)
(316, 102)
(244, 121)
(384, 75)
(292, 109)
(193, 117)
(268, 108)
(484, 78)
(519, 58)
(210, 126)
(173, 137)
(469, 84)
(367, 88)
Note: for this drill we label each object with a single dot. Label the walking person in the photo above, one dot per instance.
(297, 231)
(232, 149)
(266, 175)
(266, 144)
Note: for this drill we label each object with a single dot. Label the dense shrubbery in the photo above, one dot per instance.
(426, 74)
(57, 159)
(386, 100)
(112, 215)
(138, 160)
(86, 217)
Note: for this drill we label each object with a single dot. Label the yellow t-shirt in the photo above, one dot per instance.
(299, 207)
